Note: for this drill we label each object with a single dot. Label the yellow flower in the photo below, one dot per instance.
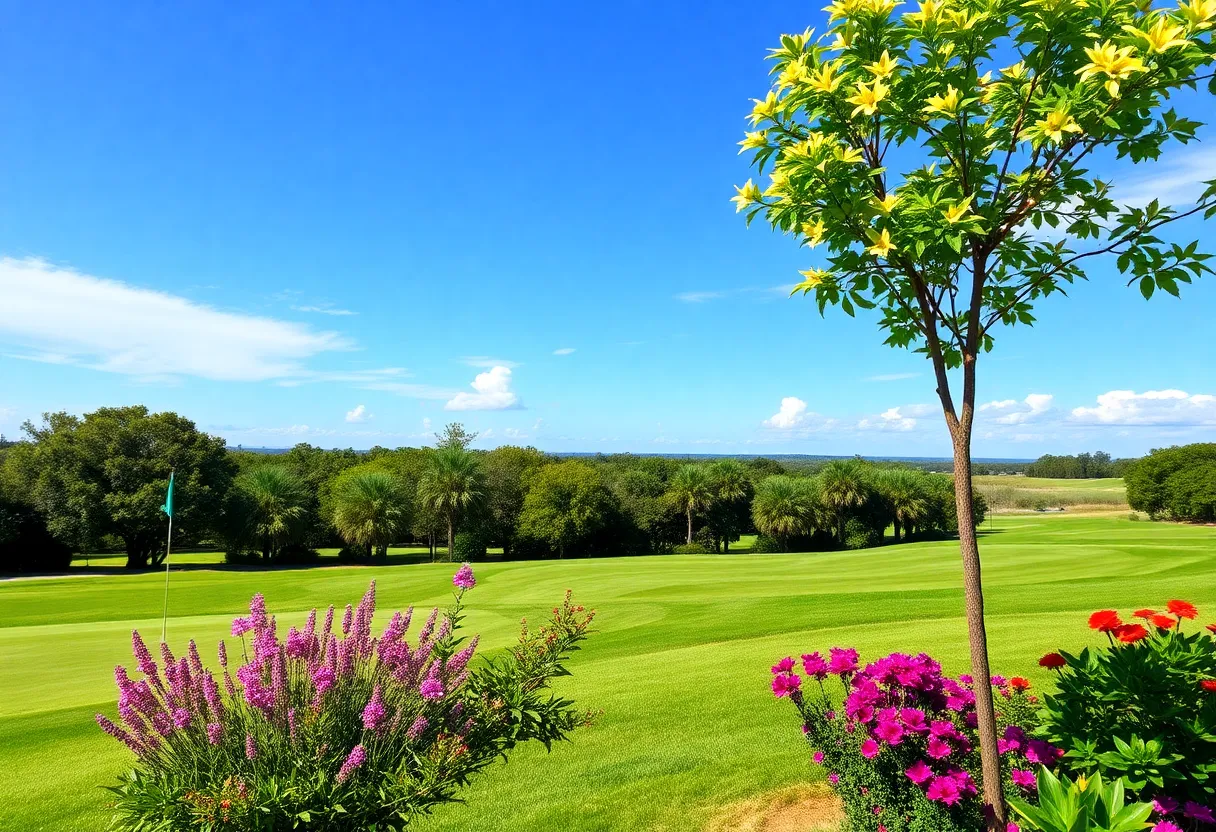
(751, 141)
(814, 231)
(887, 203)
(778, 179)
(745, 196)
(1115, 63)
(946, 105)
(884, 66)
(794, 73)
(826, 79)
(1161, 36)
(868, 98)
(840, 8)
(764, 109)
(959, 211)
(928, 11)
(1082, 782)
(1198, 12)
(813, 277)
(1056, 123)
(882, 244)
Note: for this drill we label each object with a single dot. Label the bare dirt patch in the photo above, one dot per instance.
(797, 809)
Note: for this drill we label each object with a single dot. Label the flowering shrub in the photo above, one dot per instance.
(332, 728)
(898, 738)
(1143, 709)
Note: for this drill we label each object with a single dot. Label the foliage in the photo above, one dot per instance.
(1175, 482)
(767, 544)
(267, 510)
(26, 544)
(1080, 467)
(106, 473)
(729, 511)
(469, 546)
(333, 731)
(452, 486)
(693, 548)
(861, 535)
(844, 489)
(1143, 708)
(898, 738)
(1084, 805)
(370, 510)
(692, 491)
(785, 507)
(509, 472)
(567, 504)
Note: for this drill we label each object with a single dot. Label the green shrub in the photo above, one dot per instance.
(766, 544)
(1080, 806)
(1143, 708)
(858, 534)
(693, 548)
(468, 546)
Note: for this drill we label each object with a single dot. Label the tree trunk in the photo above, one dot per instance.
(895, 525)
(726, 544)
(451, 537)
(690, 524)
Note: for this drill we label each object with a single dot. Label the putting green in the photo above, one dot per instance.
(679, 664)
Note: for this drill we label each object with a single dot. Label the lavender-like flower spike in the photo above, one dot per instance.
(257, 611)
(374, 712)
(460, 661)
(214, 732)
(310, 626)
(251, 747)
(357, 755)
(429, 626)
(142, 656)
(417, 729)
(166, 655)
(347, 617)
(329, 624)
(223, 654)
(463, 579)
(431, 687)
(196, 661)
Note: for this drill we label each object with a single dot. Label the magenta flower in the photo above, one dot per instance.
(938, 749)
(999, 681)
(869, 749)
(1043, 753)
(784, 666)
(323, 678)
(785, 684)
(357, 755)
(815, 665)
(1166, 826)
(463, 579)
(1012, 741)
(843, 661)
(374, 712)
(417, 728)
(919, 773)
(181, 717)
(431, 687)
(833, 778)
(889, 732)
(914, 720)
(965, 784)
(1024, 778)
(240, 626)
(817, 757)
(1012, 827)
(1197, 811)
(214, 732)
(251, 747)
(944, 790)
(1165, 805)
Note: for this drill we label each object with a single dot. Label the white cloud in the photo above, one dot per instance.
(1176, 179)
(793, 415)
(1013, 412)
(359, 414)
(514, 433)
(564, 351)
(324, 310)
(699, 297)
(426, 422)
(493, 392)
(892, 376)
(488, 362)
(63, 316)
(1152, 407)
(901, 419)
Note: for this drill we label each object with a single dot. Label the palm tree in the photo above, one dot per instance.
(784, 507)
(904, 491)
(843, 486)
(370, 510)
(277, 504)
(692, 491)
(452, 485)
(730, 484)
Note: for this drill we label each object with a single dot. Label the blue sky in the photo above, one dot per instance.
(348, 224)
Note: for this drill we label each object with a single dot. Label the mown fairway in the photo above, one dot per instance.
(679, 665)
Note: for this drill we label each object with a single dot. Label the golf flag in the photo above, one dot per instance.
(167, 508)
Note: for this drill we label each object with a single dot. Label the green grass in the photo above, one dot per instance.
(1019, 493)
(679, 665)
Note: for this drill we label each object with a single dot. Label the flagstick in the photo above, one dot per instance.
(164, 621)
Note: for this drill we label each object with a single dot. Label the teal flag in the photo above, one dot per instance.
(167, 508)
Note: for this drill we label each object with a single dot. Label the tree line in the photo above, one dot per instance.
(80, 484)
(1177, 483)
(1084, 466)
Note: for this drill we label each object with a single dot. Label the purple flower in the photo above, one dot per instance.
(417, 728)
(181, 717)
(914, 720)
(817, 757)
(240, 626)
(1166, 826)
(920, 773)
(783, 666)
(1024, 778)
(999, 681)
(1165, 805)
(965, 784)
(463, 579)
(431, 687)
(1197, 811)
(938, 748)
(1042, 753)
(223, 653)
(1012, 741)
(214, 732)
(353, 761)
(347, 617)
(869, 749)
(251, 747)
(833, 778)
(843, 661)
(889, 732)
(785, 684)
(323, 678)
(815, 665)
(944, 790)
(1012, 827)
(374, 712)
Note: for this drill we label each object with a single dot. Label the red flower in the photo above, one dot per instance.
(1182, 609)
(1164, 622)
(1144, 613)
(1130, 633)
(1211, 628)
(1018, 683)
(1105, 621)
(1053, 660)
(1208, 685)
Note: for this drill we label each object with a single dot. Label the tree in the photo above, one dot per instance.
(729, 510)
(454, 436)
(784, 507)
(370, 509)
(452, 486)
(509, 472)
(106, 474)
(270, 503)
(945, 249)
(567, 502)
(691, 490)
(1168, 480)
(843, 488)
(906, 494)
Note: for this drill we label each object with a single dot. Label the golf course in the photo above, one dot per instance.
(677, 670)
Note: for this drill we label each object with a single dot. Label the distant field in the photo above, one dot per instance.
(679, 665)
(1016, 493)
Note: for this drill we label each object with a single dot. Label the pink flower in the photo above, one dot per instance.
(784, 666)
(869, 749)
(833, 778)
(938, 748)
(785, 684)
(944, 790)
(914, 720)
(1024, 778)
(355, 759)
(843, 661)
(417, 728)
(889, 732)
(920, 773)
(818, 757)
(1042, 753)
(431, 687)
(374, 712)
(1012, 741)
(214, 732)
(323, 679)
(965, 784)
(463, 579)
(1165, 805)
(240, 626)
(1012, 827)
(1197, 811)
(1166, 826)
(251, 747)
(814, 665)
